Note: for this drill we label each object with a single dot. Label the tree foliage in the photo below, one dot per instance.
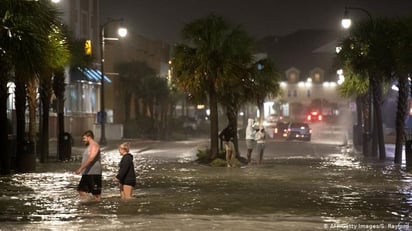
(213, 53)
(28, 41)
(377, 50)
(215, 64)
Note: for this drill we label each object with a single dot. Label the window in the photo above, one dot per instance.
(84, 24)
(293, 77)
(81, 98)
(317, 77)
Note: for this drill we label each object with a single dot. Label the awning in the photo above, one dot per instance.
(87, 74)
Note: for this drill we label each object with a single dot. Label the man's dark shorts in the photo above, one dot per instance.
(90, 184)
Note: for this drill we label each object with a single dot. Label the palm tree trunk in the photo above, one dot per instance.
(232, 115)
(214, 122)
(357, 132)
(378, 119)
(400, 121)
(366, 138)
(45, 97)
(5, 157)
(32, 104)
(59, 89)
(25, 161)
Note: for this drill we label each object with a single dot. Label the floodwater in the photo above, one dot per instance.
(334, 190)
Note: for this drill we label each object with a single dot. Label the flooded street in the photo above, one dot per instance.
(300, 186)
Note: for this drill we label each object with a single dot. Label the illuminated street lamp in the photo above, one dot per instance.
(347, 21)
(122, 32)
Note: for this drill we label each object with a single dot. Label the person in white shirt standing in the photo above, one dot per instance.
(250, 139)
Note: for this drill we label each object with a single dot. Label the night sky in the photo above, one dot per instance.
(164, 19)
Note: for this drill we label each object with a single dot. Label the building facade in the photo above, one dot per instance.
(83, 85)
(309, 79)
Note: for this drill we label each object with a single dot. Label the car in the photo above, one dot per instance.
(271, 120)
(278, 129)
(298, 131)
(314, 116)
(189, 124)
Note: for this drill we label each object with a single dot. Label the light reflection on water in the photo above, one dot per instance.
(304, 193)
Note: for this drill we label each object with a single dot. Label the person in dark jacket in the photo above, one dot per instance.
(228, 133)
(126, 175)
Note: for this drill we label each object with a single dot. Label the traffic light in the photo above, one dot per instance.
(88, 47)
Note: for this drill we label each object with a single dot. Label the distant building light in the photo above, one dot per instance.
(329, 84)
(338, 49)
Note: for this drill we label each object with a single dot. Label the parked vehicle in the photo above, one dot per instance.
(298, 131)
(189, 124)
(277, 129)
(314, 116)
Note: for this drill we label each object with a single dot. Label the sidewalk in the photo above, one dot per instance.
(78, 147)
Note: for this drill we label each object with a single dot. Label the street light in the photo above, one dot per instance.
(347, 21)
(122, 32)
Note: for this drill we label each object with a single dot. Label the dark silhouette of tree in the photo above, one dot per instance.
(213, 53)
(27, 26)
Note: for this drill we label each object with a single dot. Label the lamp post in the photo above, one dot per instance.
(346, 23)
(122, 33)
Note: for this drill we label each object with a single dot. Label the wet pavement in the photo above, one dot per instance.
(318, 185)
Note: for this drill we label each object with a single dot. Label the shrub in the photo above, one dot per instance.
(203, 158)
(218, 163)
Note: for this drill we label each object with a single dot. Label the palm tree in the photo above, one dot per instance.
(253, 83)
(78, 58)
(148, 93)
(56, 57)
(265, 83)
(379, 50)
(356, 87)
(402, 51)
(132, 76)
(5, 77)
(208, 56)
(28, 23)
(367, 52)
